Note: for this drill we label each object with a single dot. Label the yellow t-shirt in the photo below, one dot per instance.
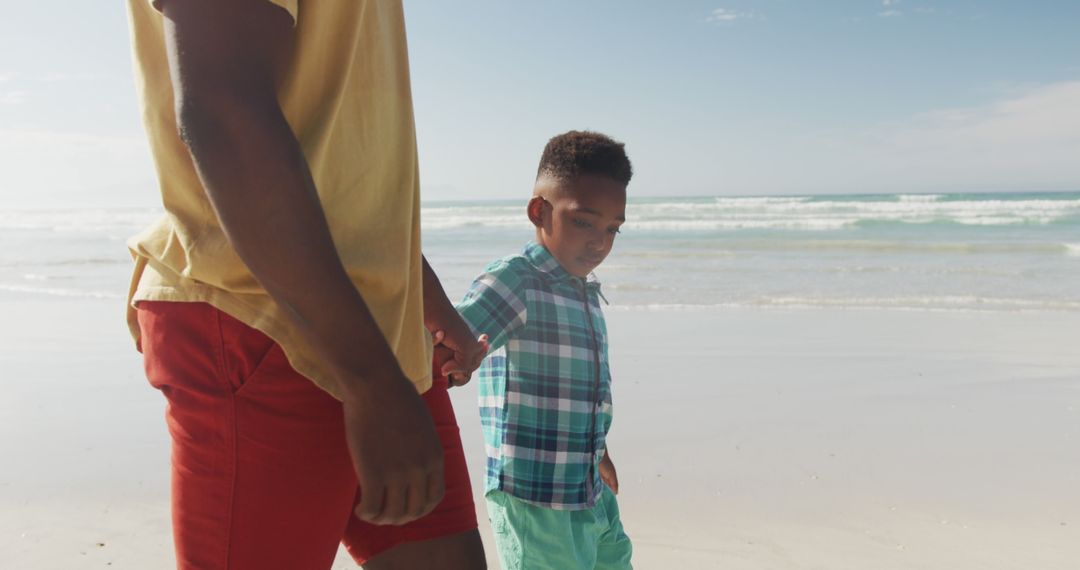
(348, 100)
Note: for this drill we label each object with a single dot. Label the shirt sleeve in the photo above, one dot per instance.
(607, 355)
(495, 304)
(289, 6)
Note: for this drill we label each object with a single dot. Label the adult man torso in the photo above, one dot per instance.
(349, 104)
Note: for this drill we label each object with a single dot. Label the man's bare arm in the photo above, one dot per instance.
(227, 58)
(464, 351)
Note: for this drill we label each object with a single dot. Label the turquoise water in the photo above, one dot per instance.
(985, 252)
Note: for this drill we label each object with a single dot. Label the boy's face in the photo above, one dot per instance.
(577, 220)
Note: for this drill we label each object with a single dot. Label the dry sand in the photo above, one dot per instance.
(817, 439)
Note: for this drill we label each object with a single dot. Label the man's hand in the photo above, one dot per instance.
(396, 452)
(608, 474)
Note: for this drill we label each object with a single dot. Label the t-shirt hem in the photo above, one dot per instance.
(195, 292)
(495, 487)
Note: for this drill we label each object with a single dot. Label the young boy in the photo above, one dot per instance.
(545, 390)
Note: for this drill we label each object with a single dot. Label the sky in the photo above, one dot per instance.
(749, 97)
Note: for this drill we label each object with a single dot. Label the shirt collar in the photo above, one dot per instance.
(546, 263)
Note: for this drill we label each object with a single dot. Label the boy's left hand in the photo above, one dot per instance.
(457, 356)
(608, 474)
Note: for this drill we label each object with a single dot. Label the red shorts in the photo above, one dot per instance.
(261, 476)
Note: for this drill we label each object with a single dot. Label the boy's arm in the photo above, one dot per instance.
(495, 304)
(607, 472)
(227, 58)
(607, 468)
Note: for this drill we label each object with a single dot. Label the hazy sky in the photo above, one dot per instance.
(717, 98)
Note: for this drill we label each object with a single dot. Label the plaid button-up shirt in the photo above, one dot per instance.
(545, 389)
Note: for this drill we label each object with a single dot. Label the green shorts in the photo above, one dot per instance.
(539, 538)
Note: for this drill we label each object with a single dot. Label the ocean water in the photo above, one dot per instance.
(959, 252)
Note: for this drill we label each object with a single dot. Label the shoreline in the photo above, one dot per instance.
(978, 305)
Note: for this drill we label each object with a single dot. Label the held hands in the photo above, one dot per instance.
(608, 474)
(458, 355)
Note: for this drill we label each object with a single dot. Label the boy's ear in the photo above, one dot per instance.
(535, 210)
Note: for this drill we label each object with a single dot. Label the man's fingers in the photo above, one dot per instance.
(416, 500)
(372, 499)
(459, 368)
(459, 378)
(453, 365)
(401, 502)
(395, 506)
(455, 375)
(422, 495)
(436, 488)
(425, 493)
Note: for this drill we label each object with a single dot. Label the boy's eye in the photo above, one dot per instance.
(614, 231)
(582, 223)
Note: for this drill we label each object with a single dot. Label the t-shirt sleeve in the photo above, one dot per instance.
(289, 6)
(495, 304)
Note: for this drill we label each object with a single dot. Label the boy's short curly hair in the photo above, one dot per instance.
(575, 153)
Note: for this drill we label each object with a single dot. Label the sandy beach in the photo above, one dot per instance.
(744, 439)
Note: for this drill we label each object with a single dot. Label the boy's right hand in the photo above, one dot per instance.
(395, 450)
